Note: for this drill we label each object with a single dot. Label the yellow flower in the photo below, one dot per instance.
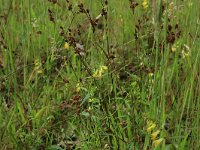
(185, 54)
(186, 51)
(78, 87)
(91, 100)
(154, 135)
(66, 45)
(39, 71)
(149, 122)
(96, 74)
(90, 108)
(105, 68)
(150, 126)
(145, 4)
(141, 64)
(157, 142)
(99, 72)
(150, 74)
(174, 48)
(38, 66)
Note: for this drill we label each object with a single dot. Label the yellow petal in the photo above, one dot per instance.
(151, 127)
(144, 4)
(157, 142)
(154, 135)
(100, 74)
(66, 46)
(173, 48)
(78, 87)
(105, 67)
(39, 71)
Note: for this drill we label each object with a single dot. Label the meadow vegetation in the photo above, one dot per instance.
(99, 74)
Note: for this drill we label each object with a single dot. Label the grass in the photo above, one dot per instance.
(99, 74)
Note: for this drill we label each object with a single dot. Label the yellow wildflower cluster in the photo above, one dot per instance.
(185, 54)
(186, 51)
(66, 45)
(150, 128)
(38, 66)
(99, 72)
(174, 48)
(78, 87)
(145, 4)
(171, 9)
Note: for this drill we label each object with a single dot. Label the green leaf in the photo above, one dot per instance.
(86, 114)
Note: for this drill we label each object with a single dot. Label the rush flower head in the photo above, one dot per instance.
(157, 142)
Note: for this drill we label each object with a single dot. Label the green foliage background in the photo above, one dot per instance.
(50, 99)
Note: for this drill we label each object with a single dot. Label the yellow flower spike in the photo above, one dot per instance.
(78, 87)
(151, 74)
(94, 75)
(157, 142)
(185, 54)
(174, 48)
(105, 68)
(90, 108)
(39, 71)
(154, 135)
(91, 100)
(151, 127)
(99, 73)
(101, 70)
(38, 66)
(145, 4)
(149, 123)
(66, 45)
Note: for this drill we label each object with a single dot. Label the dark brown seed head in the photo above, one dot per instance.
(169, 27)
(171, 37)
(106, 2)
(70, 7)
(176, 26)
(53, 1)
